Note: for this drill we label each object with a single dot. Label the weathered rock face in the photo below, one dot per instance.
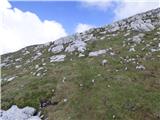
(15, 113)
(131, 49)
(78, 42)
(114, 27)
(37, 55)
(137, 38)
(140, 67)
(57, 49)
(2, 65)
(96, 53)
(139, 22)
(141, 26)
(64, 40)
(81, 55)
(78, 45)
(57, 58)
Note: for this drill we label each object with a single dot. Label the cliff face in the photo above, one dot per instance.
(111, 72)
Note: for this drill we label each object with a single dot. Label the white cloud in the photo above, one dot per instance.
(83, 27)
(127, 8)
(123, 8)
(19, 29)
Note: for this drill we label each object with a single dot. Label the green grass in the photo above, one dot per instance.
(127, 95)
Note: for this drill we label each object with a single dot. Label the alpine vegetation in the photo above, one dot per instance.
(106, 73)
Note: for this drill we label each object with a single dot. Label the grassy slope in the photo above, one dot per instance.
(127, 95)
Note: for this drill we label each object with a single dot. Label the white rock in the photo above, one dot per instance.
(114, 27)
(102, 37)
(78, 45)
(136, 39)
(26, 52)
(64, 78)
(37, 66)
(57, 49)
(132, 49)
(93, 81)
(11, 78)
(81, 55)
(64, 40)
(15, 113)
(127, 34)
(126, 68)
(40, 68)
(34, 118)
(38, 74)
(141, 35)
(57, 58)
(158, 15)
(65, 100)
(28, 110)
(104, 32)
(18, 66)
(71, 59)
(113, 116)
(97, 53)
(44, 64)
(38, 54)
(140, 67)
(112, 53)
(70, 48)
(140, 25)
(89, 37)
(143, 49)
(2, 65)
(28, 61)
(147, 45)
(99, 75)
(53, 90)
(155, 39)
(7, 59)
(1, 112)
(18, 59)
(155, 50)
(104, 62)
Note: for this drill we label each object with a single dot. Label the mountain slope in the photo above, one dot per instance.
(112, 72)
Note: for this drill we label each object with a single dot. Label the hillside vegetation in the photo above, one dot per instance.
(106, 73)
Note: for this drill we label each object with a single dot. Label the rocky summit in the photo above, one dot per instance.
(106, 73)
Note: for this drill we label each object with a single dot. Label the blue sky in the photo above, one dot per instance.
(68, 13)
